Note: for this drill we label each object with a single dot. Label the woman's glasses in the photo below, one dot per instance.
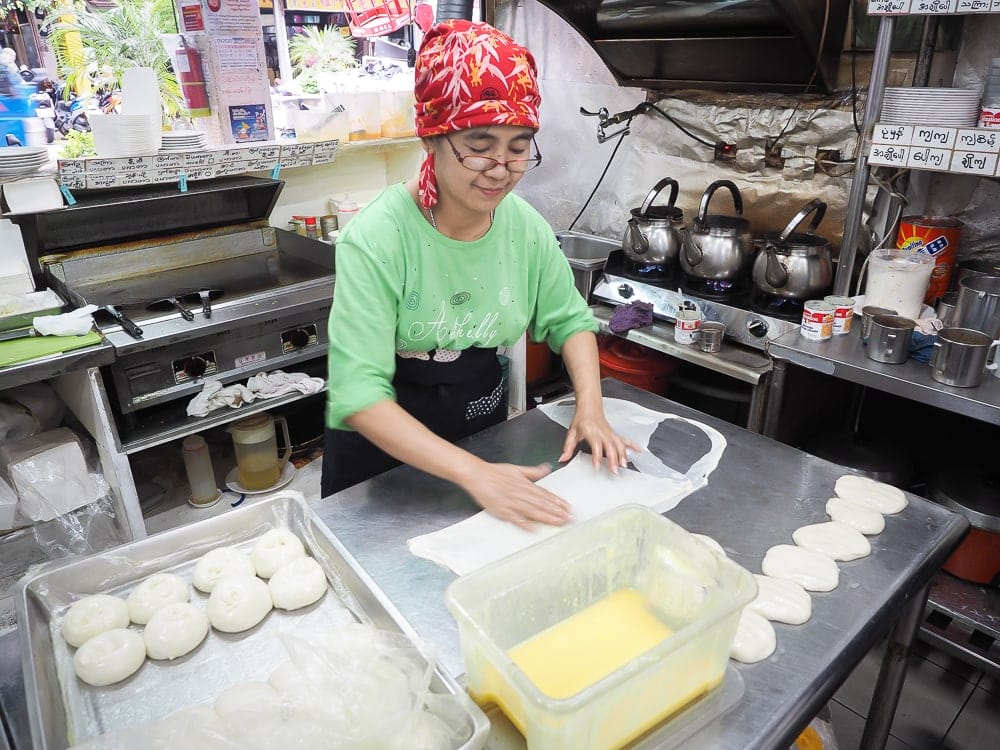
(485, 163)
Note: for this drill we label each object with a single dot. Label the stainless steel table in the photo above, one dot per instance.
(761, 491)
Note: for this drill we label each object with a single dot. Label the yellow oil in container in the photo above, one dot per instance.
(591, 644)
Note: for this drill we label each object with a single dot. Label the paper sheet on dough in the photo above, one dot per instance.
(482, 539)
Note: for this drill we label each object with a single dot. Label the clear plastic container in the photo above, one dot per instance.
(365, 116)
(397, 113)
(694, 593)
(897, 280)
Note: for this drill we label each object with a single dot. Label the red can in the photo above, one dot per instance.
(937, 236)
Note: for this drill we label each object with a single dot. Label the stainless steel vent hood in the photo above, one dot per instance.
(732, 45)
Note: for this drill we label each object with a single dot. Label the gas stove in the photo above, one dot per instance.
(751, 318)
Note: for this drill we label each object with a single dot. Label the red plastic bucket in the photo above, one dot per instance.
(635, 364)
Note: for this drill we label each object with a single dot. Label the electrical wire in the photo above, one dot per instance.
(650, 105)
(599, 180)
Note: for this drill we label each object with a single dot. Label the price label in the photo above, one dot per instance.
(974, 6)
(972, 162)
(978, 139)
(890, 156)
(890, 133)
(924, 135)
(933, 7)
(888, 7)
(938, 159)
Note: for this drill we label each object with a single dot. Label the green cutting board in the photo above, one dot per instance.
(33, 347)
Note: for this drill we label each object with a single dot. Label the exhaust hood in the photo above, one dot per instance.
(732, 45)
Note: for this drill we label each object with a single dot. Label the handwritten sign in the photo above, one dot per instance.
(892, 133)
(888, 7)
(937, 159)
(974, 6)
(890, 156)
(972, 162)
(978, 139)
(924, 135)
(933, 7)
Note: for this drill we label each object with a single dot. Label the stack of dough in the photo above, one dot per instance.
(107, 651)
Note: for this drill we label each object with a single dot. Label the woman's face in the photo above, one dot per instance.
(479, 192)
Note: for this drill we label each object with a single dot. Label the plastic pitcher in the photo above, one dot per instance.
(256, 445)
(898, 280)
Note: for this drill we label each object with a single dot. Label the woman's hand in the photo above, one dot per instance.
(593, 428)
(509, 492)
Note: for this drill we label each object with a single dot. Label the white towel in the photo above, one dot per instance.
(279, 383)
(214, 396)
(74, 323)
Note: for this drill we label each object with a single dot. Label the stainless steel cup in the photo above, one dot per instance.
(961, 355)
(867, 313)
(709, 336)
(945, 308)
(978, 305)
(890, 339)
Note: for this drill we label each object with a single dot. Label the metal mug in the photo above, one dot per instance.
(961, 355)
(978, 305)
(709, 336)
(686, 326)
(945, 308)
(890, 339)
(867, 313)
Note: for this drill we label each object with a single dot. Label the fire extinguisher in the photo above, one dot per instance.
(192, 80)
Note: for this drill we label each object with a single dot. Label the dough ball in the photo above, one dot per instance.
(274, 550)
(861, 516)
(781, 600)
(156, 592)
(174, 630)
(297, 584)
(109, 657)
(834, 539)
(92, 616)
(237, 603)
(711, 544)
(754, 639)
(245, 699)
(218, 563)
(883, 497)
(811, 570)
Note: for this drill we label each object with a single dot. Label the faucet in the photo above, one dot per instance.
(605, 119)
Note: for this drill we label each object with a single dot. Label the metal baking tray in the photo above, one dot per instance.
(64, 711)
(49, 303)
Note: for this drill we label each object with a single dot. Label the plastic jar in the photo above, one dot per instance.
(200, 473)
(346, 210)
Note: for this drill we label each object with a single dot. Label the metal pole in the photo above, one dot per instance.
(859, 184)
(281, 39)
(893, 672)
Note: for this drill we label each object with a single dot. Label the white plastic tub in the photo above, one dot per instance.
(695, 593)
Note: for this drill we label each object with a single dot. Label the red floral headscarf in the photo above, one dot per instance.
(469, 75)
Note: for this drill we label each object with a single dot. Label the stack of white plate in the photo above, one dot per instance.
(183, 140)
(125, 135)
(951, 108)
(17, 160)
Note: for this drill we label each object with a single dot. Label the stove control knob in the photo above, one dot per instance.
(195, 367)
(299, 338)
(625, 291)
(757, 328)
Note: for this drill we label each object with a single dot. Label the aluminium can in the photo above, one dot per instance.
(817, 320)
(843, 313)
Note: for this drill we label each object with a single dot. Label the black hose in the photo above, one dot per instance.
(453, 9)
(599, 180)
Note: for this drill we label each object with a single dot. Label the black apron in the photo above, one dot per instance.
(452, 399)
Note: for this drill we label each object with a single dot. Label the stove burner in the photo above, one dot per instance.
(647, 271)
(711, 288)
(785, 308)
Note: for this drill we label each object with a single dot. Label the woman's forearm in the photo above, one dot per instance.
(579, 353)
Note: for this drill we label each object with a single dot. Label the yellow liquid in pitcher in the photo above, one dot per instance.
(258, 472)
(582, 649)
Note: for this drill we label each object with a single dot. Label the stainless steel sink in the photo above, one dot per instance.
(587, 254)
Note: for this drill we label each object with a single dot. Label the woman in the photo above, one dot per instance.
(434, 275)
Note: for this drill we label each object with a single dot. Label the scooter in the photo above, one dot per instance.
(41, 104)
(70, 113)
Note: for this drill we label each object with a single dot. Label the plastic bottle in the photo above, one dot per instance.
(312, 230)
(200, 474)
(346, 210)
(989, 115)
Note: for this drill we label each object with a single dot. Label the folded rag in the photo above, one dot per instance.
(278, 383)
(921, 346)
(74, 323)
(633, 315)
(214, 396)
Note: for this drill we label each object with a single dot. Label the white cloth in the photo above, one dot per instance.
(279, 383)
(482, 539)
(74, 323)
(214, 396)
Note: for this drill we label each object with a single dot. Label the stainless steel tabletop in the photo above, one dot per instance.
(761, 491)
(43, 368)
(844, 357)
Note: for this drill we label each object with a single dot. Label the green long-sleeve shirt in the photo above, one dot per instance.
(403, 286)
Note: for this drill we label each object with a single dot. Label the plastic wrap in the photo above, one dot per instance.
(29, 409)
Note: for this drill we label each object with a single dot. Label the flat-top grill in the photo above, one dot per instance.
(201, 301)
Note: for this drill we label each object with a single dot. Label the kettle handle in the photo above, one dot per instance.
(731, 186)
(814, 205)
(638, 242)
(775, 274)
(651, 196)
(692, 253)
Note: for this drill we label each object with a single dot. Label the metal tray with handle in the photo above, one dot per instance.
(63, 710)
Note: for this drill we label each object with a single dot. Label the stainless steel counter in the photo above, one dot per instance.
(844, 357)
(761, 491)
(43, 368)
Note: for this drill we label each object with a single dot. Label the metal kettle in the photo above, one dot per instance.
(652, 235)
(717, 246)
(794, 265)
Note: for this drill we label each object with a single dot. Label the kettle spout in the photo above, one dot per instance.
(692, 253)
(775, 274)
(635, 239)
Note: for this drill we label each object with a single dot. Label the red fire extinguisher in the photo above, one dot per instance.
(192, 80)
